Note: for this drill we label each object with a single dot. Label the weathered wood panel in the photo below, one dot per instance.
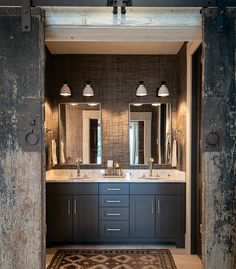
(218, 162)
(21, 187)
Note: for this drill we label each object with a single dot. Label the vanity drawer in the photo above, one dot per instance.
(114, 188)
(113, 213)
(113, 200)
(156, 188)
(71, 188)
(114, 229)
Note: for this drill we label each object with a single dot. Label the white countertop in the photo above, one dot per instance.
(65, 179)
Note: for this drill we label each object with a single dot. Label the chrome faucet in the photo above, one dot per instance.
(150, 161)
(78, 163)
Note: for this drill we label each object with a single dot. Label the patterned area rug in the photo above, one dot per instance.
(115, 259)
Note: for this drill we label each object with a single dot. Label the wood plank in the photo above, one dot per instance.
(21, 172)
(218, 163)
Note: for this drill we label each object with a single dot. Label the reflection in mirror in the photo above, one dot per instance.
(150, 133)
(80, 133)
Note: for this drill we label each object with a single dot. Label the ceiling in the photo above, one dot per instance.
(113, 47)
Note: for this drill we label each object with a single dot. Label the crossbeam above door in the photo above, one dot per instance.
(134, 3)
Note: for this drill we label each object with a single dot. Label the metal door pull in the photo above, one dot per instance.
(113, 201)
(68, 207)
(113, 189)
(75, 207)
(113, 214)
(113, 229)
(158, 207)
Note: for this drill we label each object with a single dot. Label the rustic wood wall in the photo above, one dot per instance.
(21, 172)
(114, 79)
(218, 162)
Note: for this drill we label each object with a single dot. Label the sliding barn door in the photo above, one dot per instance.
(21, 141)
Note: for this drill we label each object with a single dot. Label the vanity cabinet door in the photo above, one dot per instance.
(142, 216)
(59, 216)
(168, 216)
(85, 216)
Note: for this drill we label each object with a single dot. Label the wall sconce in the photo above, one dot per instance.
(88, 90)
(163, 90)
(141, 90)
(65, 89)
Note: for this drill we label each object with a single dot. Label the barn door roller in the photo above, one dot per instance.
(26, 15)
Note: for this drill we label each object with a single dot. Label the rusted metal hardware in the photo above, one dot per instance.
(30, 125)
(26, 15)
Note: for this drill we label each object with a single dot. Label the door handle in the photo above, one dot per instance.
(158, 207)
(68, 207)
(113, 189)
(113, 201)
(113, 214)
(75, 207)
(113, 229)
(152, 207)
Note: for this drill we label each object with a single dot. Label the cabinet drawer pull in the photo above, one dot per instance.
(152, 207)
(113, 214)
(113, 189)
(68, 207)
(113, 201)
(75, 207)
(158, 207)
(113, 229)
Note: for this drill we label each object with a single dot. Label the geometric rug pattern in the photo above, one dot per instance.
(112, 259)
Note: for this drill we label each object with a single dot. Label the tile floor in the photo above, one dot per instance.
(182, 259)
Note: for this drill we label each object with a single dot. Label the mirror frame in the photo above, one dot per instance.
(155, 165)
(84, 166)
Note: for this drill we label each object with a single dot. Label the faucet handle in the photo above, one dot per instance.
(79, 160)
(150, 160)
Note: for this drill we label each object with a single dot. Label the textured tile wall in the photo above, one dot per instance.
(114, 79)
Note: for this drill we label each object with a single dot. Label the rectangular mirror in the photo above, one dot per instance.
(80, 133)
(150, 133)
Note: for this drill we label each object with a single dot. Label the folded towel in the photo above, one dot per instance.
(62, 154)
(174, 153)
(54, 152)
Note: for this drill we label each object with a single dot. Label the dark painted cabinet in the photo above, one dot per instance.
(73, 216)
(116, 212)
(85, 216)
(142, 216)
(168, 216)
(59, 216)
(157, 212)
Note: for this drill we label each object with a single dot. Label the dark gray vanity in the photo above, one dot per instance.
(115, 212)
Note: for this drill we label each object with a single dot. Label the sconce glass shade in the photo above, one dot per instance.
(163, 90)
(141, 91)
(65, 90)
(88, 90)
